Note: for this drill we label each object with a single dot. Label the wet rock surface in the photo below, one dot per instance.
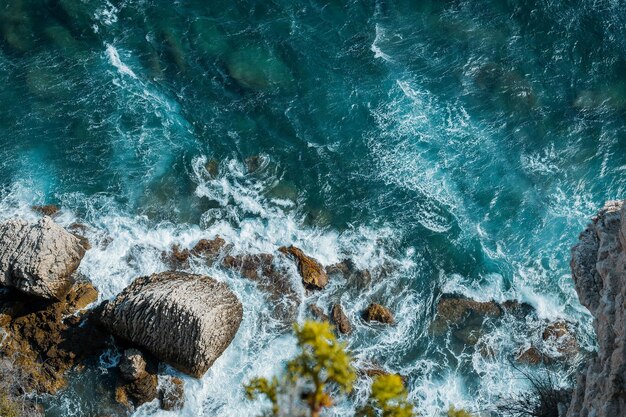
(138, 381)
(46, 339)
(183, 319)
(171, 393)
(38, 258)
(272, 279)
(340, 320)
(378, 313)
(599, 271)
(313, 275)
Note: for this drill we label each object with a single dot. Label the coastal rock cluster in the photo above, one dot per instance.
(599, 272)
(175, 317)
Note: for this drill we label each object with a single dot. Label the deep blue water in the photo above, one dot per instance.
(445, 145)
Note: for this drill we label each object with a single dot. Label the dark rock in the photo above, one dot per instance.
(376, 312)
(357, 278)
(136, 385)
(183, 319)
(560, 335)
(38, 258)
(47, 210)
(340, 320)
(318, 313)
(209, 250)
(313, 274)
(531, 356)
(176, 258)
(272, 280)
(453, 309)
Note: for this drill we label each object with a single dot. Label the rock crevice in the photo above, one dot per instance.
(599, 271)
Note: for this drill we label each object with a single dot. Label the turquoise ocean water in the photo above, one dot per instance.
(448, 146)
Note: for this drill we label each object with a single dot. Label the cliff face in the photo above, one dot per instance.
(599, 271)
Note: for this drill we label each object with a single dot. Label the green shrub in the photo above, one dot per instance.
(389, 398)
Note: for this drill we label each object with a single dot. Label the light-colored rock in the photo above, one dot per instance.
(38, 258)
(183, 319)
(599, 271)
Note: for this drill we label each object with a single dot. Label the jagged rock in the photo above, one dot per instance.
(45, 339)
(272, 280)
(453, 309)
(171, 393)
(340, 319)
(136, 385)
(531, 356)
(560, 335)
(176, 258)
(318, 313)
(38, 258)
(209, 249)
(183, 319)
(599, 271)
(376, 312)
(47, 210)
(132, 365)
(313, 274)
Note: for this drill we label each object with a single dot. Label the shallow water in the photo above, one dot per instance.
(456, 145)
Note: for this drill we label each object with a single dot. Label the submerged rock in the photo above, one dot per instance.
(176, 258)
(209, 250)
(171, 393)
(313, 275)
(256, 68)
(318, 313)
(357, 278)
(340, 320)
(379, 313)
(47, 210)
(183, 319)
(599, 271)
(38, 258)
(271, 279)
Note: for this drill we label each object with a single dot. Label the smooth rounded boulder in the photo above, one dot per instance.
(38, 258)
(183, 319)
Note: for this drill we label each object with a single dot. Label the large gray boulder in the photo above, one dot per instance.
(599, 271)
(183, 319)
(38, 258)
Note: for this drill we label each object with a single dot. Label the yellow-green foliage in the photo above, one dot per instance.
(452, 412)
(7, 407)
(390, 398)
(322, 361)
(261, 386)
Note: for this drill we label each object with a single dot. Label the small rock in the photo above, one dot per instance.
(176, 259)
(318, 313)
(171, 393)
(209, 249)
(313, 274)
(531, 356)
(341, 320)
(47, 210)
(272, 280)
(559, 335)
(132, 365)
(358, 278)
(376, 312)
(213, 168)
(136, 385)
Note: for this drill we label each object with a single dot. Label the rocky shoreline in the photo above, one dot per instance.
(188, 320)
